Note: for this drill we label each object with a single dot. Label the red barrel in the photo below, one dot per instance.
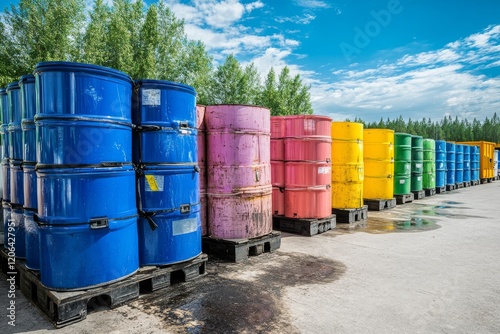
(202, 163)
(307, 166)
(278, 163)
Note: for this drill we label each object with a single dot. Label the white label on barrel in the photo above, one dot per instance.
(151, 97)
(401, 181)
(419, 178)
(324, 170)
(154, 182)
(184, 226)
(418, 165)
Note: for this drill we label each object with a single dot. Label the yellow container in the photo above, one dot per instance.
(378, 151)
(347, 165)
(486, 159)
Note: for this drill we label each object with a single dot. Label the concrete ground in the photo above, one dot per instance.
(432, 266)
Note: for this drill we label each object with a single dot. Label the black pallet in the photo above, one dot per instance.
(487, 180)
(65, 308)
(440, 190)
(430, 192)
(347, 216)
(450, 187)
(418, 194)
(402, 199)
(459, 185)
(467, 184)
(238, 250)
(380, 204)
(303, 226)
(474, 183)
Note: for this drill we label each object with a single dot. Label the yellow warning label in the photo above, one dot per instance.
(153, 185)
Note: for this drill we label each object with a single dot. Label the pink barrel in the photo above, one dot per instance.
(202, 163)
(278, 163)
(277, 127)
(308, 146)
(238, 171)
(278, 201)
(277, 149)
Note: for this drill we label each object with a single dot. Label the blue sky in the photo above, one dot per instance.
(371, 59)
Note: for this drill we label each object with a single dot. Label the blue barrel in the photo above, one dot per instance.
(467, 163)
(474, 163)
(84, 114)
(6, 180)
(79, 256)
(28, 110)
(165, 115)
(4, 114)
(440, 163)
(170, 226)
(14, 127)
(459, 163)
(30, 205)
(17, 223)
(450, 163)
(76, 195)
(16, 183)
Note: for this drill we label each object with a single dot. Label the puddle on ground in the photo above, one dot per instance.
(239, 297)
(377, 225)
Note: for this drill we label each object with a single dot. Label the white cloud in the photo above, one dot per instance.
(306, 19)
(429, 84)
(312, 3)
(254, 5)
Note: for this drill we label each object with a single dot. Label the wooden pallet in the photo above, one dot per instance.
(467, 184)
(347, 216)
(380, 204)
(440, 190)
(450, 187)
(238, 250)
(304, 226)
(418, 194)
(402, 199)
(65, 308)
(430, 192)
(459, 185)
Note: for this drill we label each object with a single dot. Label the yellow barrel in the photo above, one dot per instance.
(347, 165)
(378, 154)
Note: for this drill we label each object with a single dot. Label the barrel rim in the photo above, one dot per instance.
(76, 171)
(26, 79)
(237, 105)
(378, 130)
(67, 66)
(165, 84)
(12, 86)
(3, 91)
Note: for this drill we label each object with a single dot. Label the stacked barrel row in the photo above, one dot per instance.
(306, 180)
(86, 181)
(347, 165)
(238, 171)
(166, 159)
(378, 154)
(429, 171)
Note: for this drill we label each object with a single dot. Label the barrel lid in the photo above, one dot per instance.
(27, 78)
(150, 83)
(12, 86)
(65, 66)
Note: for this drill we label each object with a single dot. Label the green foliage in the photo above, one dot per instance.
(446, 129)
(37, 31)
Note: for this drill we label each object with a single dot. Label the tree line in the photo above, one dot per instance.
(448, 128)
(146, 42)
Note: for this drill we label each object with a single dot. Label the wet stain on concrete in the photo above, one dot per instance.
(239, 297)
(376, 225)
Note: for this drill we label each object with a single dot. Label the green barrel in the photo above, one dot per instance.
(402, 163)
(429, 175)
(417, 162)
